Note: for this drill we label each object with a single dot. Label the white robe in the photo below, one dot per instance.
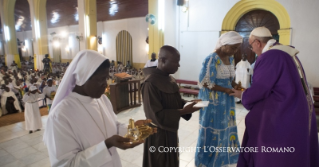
(242, 74)
(150, 63)
(32, 113)
(47, 91)
(75, 138)
(4, 97)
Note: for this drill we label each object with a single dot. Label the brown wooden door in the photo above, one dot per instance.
(249, 21)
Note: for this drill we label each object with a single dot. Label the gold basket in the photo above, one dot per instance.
(138, 133)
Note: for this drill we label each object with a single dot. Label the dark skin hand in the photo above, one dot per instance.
(220, 89)
(124, 143)
(169, 59)
(189, 109)
(224, 52)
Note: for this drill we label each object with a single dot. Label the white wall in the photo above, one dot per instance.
(137, 27)
(170, 29)
(199, 29)
(305, 34)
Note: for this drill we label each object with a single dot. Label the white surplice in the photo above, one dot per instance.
(31, 112)
(76, 131)
(242, 74)
(150, 63)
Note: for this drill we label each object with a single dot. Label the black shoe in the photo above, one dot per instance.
(238, 102)
(30, 132)
(38, 130)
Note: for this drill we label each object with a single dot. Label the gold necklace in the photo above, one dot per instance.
(105, 135)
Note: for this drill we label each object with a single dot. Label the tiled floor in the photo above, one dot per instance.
(18, 148)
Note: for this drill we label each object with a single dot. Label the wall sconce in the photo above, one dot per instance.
(79, 37)
(99, 40)
(186, 6)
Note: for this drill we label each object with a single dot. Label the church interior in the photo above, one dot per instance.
(128, 32)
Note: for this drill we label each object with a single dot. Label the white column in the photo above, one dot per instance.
(82, 24)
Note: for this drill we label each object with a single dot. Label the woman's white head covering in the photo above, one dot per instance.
(79, 71)
(229, 38)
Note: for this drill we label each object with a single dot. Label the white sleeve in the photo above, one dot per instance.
(65, 151)
(45, 91)
(146, 64)
(121, 128)
(26, 98)
(41, 96)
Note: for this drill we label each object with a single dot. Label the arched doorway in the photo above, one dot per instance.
(244, 6)
(124, 47)
(249, 21)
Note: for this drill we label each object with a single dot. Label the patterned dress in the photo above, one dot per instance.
(218, 120)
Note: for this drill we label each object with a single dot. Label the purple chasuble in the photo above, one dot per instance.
(281, 122)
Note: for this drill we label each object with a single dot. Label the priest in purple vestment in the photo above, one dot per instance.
(281, 123)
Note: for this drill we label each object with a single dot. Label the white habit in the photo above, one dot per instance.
(242, 74)
(150, 63)
(78, 125)
(75, 139)
(31, 112)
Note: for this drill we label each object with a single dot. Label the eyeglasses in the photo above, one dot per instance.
(250, 45)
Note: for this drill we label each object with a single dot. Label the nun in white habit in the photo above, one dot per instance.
(32, 113)
(82, 129)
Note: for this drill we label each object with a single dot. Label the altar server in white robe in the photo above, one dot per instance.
(32, 113)
(82, 129)
(47, 92)
(243, 72)
(153, 62)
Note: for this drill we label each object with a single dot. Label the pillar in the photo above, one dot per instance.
(87, 24)
(39, 31)
(9, 32)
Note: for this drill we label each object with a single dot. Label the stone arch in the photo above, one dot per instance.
(244, 6)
